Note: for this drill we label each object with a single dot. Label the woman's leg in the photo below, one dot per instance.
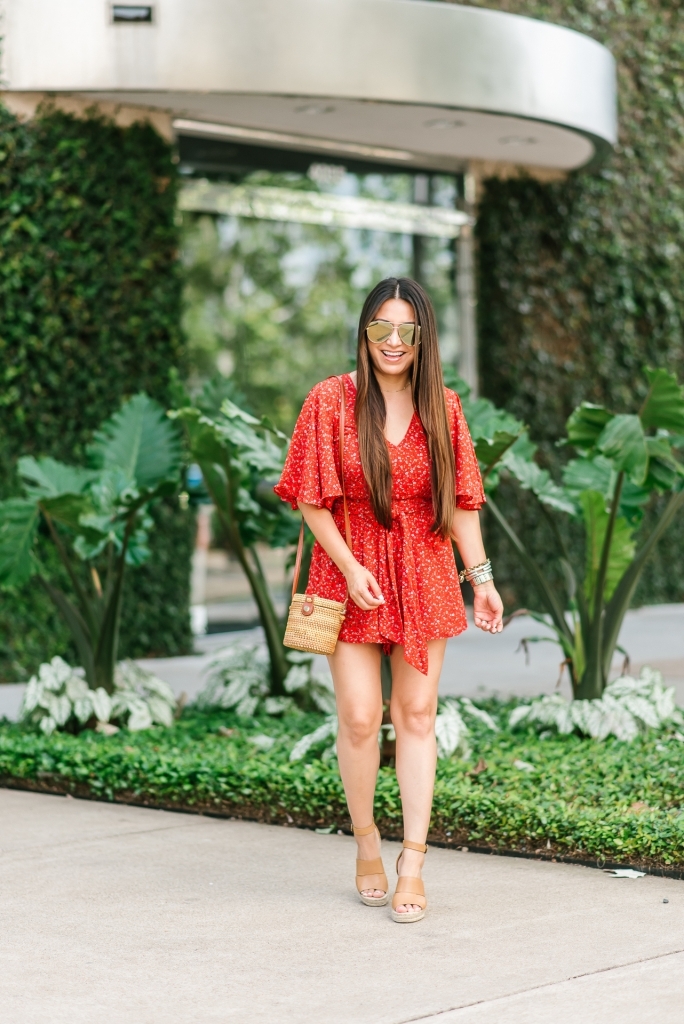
(413, 709)
(356, 674)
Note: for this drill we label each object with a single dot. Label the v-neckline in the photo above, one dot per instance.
(406, 432)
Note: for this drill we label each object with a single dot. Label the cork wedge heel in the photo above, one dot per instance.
(370, 874)
(409, 890)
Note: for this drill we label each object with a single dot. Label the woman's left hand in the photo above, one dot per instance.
(488, 608)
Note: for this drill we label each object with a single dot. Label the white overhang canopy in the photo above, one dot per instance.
(406, 84)
(417, 84)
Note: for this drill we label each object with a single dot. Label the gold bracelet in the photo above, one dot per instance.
(476, 570)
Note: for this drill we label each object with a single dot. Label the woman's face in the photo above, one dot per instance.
(392, 358)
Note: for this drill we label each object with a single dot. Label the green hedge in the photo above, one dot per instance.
(587, 800)
(581, 282)
(90, 308)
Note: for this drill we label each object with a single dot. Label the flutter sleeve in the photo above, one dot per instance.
(310, 472)
(469, 490)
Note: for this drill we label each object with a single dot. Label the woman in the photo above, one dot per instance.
(413, 485)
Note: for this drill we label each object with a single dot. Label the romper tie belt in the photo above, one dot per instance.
(400, 618)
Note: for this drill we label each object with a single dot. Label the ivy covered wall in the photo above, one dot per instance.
(581, 282)
(90, 309)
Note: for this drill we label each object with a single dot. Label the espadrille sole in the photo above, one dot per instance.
(407, 918)
(370, 901)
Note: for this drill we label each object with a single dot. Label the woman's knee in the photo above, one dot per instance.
(414, 717)
(360, 725)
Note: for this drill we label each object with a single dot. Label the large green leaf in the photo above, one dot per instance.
(18, 522)
(141, 442)
(236, 453)
(664, 405)
(596, 473)
(233, 412)
(48, 478)
(485, 420)
(533, 478)
(664, 468)
(483, 417)
(591, 474)
(251, 439)
(622, 441)
(621, 549)
(67, 509)
(585, 425)
(236, 439)
(490, 450)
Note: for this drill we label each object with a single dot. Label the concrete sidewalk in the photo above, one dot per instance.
(122, 915)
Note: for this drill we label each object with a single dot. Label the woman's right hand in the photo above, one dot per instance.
(363, 588)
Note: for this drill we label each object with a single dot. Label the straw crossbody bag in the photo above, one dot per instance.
(314, 623)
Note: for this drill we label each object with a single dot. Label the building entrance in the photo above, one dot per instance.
(280, 248)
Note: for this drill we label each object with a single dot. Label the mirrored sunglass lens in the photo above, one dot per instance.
(406, 332)
(379, 331)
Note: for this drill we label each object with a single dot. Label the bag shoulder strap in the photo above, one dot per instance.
(347, 522)
(343, 411)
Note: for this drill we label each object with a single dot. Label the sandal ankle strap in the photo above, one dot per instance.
(363, 831)
(418, 847)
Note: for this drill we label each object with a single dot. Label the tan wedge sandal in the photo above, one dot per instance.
(370, 874)
(409, 890)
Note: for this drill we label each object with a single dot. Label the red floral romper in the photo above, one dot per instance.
(414, 567)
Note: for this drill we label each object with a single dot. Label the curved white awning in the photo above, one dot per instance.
(439, 82)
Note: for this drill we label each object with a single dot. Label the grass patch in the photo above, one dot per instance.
(584, 799)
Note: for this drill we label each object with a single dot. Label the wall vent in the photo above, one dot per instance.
(127, 13)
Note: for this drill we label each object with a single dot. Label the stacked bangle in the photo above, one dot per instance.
(477, 574)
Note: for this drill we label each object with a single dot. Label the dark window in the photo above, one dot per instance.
(128, 12)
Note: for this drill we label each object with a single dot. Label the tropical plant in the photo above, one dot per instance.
(451, 728)
(322, 736)
(239, 679)
(623, 460)
(627, 708)
(97, 518)
(58, 697)
(241, 458)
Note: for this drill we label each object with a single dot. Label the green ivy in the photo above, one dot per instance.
(90, 310)
(581, 281)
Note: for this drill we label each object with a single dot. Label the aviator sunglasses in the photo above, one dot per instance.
(379, 331)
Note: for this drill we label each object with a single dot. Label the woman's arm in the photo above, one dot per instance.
(488, 606)
(363, 587)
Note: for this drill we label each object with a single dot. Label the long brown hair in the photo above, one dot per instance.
(428, 398)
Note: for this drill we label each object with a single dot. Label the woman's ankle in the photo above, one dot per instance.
(372, 841)
(411, 863)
